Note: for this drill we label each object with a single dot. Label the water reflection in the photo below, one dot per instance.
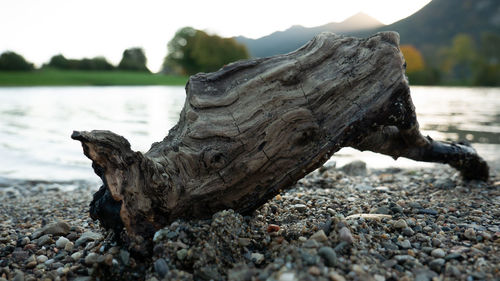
(36, 122)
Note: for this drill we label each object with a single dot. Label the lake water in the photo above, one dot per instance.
(36, 124)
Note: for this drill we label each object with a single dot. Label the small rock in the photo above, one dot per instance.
(69, 246)
(438, 253)
(403, 258)
(314, 270)
(355, 168)
(44, 240)
(181, 254)
(334, 276)
(425, 275)
(257, 258)
(161, 267)
(124, 257)
(287, 276)
(41, 258)
(57, 228)
(329, 255)
(431, 212)
(88, 236)
(346, 235)
(470, 234)
(61, 242)
(244, 242)
(273, 228)
(400, 224)
(319, 236)
(76, 256)
(91, 258)
(299, 207)
(437, 264)
(405, 244)
(407, 231)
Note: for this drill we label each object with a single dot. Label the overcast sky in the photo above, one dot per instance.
(40, 29)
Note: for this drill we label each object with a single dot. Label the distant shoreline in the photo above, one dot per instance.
(87, 78)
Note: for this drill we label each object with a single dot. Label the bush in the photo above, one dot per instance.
(133, 59)
(11, 61)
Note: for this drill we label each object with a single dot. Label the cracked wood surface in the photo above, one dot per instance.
(255, 127)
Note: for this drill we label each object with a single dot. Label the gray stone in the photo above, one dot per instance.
(407, 231)
(329, 255)
(76, 256)
(41, 258)
(400, 224)
(319, 236)
(181, 254)
(403, 258)
(161, 267)
(257, 258)
(44, 240)
(355, 168)
(299, 207)
(405, 244)
(61, 242)
(91, 258)
(438, 253)
(124, 257)
(346, 235)
(244, 242)
(437, 264)
(57, 228)
(470, 234)
(425, 275)
(88, 236)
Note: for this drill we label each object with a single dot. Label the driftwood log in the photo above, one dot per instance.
(255, 127)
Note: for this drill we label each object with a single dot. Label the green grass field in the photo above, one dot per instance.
(86, 78)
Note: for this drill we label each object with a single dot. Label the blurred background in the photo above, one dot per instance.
(122, 66)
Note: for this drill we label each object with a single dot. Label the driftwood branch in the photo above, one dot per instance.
(255, 127)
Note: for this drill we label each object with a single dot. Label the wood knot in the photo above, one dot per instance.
(214, 159)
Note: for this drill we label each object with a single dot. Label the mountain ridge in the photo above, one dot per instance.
(295, 36)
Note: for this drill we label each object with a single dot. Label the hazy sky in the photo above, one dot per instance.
(40, 29)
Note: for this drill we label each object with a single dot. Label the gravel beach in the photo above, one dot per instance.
(336, 224)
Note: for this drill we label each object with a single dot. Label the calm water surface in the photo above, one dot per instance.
(36, 124)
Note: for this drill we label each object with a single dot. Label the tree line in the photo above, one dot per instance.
(190, 51)
(133, 59)
(463, 62)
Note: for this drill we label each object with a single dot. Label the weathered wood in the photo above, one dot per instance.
(255, 127)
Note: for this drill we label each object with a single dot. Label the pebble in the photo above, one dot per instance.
(76, 256)
(161, 267)
(319, 236)
(69, 246)
(470, 234)
(92, 258)
(88, 236)
(438, 253)
(329, 255)
(334, 276)
(273, 228)
(400, 224)
(405, 244)
(346, 235)
(257, 258)
(41, 258)
(44, 240)
(57, 228)
(61, 242)
(437, 264)
(181, 254)
(299, 207)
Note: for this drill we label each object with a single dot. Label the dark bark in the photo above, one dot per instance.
(255, 127)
